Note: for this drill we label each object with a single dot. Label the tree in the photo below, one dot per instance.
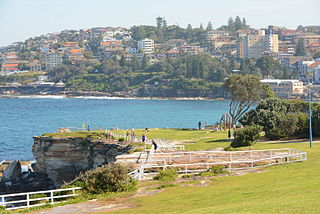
(159, 21)
(244, 23)
(144, 62)
(237, 23)
(244, 91)
(316, 55)
(300, 49)
(230, 23)
(209, 27)
(268, 65)
(246, 136)
(201, 27)
(189, 33)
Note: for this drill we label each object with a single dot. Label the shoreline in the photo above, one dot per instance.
(109, 97)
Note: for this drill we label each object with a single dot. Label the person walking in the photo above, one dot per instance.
(154, 145)
(143, 138)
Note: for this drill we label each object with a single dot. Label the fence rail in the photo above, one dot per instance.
(38, 198)
(236, 160)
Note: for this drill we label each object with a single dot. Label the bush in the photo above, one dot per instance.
(108, 178)
(246, 136)
(121, 139)
(218, 169)
(214, 170)
(167, 175)
(186, 176)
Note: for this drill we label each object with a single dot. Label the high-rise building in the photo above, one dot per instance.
(255, 46)
(146, 46)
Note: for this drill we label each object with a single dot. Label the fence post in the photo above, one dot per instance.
(186, 169)
(230, 167)
(190, 157)
(2, 201)
(73, 191)
(28, 202)
(51, 197)
(289, 155)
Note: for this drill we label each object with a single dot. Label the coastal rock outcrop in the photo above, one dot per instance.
(12, 172)
(14, 180)
(64, 158)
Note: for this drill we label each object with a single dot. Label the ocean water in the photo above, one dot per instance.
(23, 118)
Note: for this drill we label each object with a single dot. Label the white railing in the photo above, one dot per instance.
(33, 199)
(1, 162)
(232, 161)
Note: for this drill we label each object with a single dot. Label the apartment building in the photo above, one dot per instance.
(215, 34)
(285, 87)
(191, 49)
(146, 46)
(255, 46)
(52, 60)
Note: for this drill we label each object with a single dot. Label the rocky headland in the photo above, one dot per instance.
(63, 158)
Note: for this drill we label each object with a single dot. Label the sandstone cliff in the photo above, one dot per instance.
(64, 158)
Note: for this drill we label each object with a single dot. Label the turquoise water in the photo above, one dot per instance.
(22, 118)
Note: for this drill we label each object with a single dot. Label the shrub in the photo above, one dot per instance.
(166, 186)
(121, 139)
(218, 169)
(186, 176)
(214, 170)
(246, 136)
(108, 178)
(167, 175)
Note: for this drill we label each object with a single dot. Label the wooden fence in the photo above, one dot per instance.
(38, 198)
(194, 162)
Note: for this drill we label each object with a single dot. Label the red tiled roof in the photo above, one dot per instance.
(111, 43)
(10, 65)
(315, 64)
(11, 69)
(171, 51)
(315, 45)
(74, 51)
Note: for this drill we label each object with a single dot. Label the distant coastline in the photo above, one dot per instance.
(108, 97)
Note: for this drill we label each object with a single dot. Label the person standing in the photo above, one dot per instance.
(143, 138)
(199, 124)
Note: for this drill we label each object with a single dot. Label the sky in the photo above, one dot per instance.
(22, 19)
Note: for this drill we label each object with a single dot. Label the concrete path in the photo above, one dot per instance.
(91, 206)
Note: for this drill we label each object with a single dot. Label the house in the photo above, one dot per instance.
(285, 87)
(75, 55)
(35, 65)
(9, 68)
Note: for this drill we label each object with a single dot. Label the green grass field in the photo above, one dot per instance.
(291, 188)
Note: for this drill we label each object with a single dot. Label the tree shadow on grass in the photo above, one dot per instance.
(219, 141)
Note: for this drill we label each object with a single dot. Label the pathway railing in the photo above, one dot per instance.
(232, 161)
(38, 198)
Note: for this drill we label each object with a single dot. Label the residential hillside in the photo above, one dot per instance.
(162, 60)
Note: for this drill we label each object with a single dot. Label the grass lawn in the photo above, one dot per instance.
(292, 188)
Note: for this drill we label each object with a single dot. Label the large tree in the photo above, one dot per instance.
(300, 49)
(245, 90)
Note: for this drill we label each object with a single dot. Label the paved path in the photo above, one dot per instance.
(91, 206)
